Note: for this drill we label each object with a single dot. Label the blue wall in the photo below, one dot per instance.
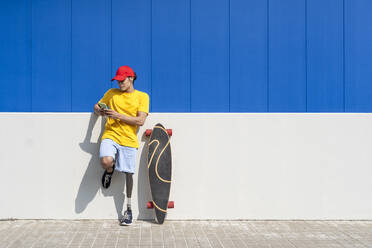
(189, 55)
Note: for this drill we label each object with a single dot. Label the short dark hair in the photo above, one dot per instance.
(134, 77)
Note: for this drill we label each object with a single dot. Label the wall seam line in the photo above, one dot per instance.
(229, 50)
(344, 54)
(190, 60)
(306, 59)
(268, 56)
(151, 56)
(71, 56)
(110, 69)
(31, 62)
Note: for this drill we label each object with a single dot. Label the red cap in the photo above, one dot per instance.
(123, 72)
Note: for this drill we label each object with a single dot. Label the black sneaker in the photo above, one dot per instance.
(127, 219)
(106, 178)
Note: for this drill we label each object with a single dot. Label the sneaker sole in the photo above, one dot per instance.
(125, 224)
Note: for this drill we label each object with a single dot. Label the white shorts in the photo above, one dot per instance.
(124, 156)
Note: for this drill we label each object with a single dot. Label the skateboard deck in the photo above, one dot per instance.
(160, 170)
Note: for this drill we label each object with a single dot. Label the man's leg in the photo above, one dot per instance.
(128, 158)
(107, 163)
(128, 215)
(129, 185)
(107, 153)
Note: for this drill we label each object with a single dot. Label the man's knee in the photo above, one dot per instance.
(107, 162)
(128, 174)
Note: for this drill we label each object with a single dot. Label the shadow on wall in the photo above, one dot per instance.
(91, 182)
(143, 193)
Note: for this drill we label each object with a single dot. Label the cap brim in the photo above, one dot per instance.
(119, 78)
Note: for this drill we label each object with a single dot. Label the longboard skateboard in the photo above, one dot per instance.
(160, 170)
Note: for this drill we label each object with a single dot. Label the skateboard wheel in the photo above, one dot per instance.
(148, 132)
(150, 204)
(171, 204)
(169, 131)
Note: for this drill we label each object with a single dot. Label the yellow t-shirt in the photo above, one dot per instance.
(128, 104)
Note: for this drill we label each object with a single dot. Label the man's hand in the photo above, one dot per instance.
(112, 114)
(98, 110)
(138, 120)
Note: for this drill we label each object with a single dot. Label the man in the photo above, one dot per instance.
(127, 109)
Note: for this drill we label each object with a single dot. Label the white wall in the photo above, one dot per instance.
(226, 166)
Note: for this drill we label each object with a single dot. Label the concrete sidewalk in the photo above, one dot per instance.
(184, 234)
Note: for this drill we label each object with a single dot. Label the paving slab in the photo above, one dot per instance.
(184, 234)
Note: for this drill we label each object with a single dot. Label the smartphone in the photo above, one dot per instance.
(102, 105)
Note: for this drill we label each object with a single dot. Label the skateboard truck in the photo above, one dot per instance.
(149, 131)
(150, 204)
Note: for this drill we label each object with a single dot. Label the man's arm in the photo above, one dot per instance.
(139, 120)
